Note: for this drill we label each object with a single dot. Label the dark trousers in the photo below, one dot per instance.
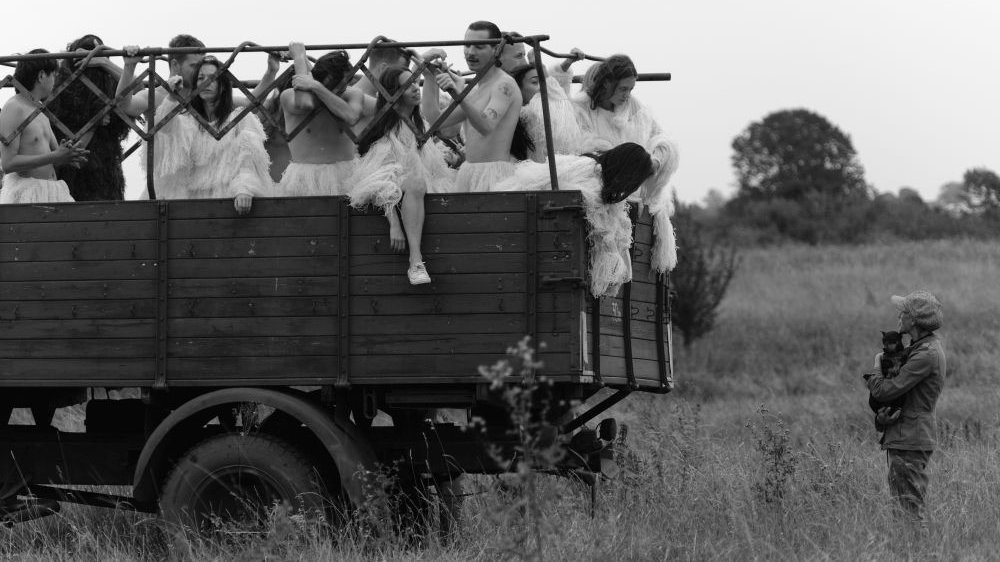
(908, 481)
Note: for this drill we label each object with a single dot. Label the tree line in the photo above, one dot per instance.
(799, 179)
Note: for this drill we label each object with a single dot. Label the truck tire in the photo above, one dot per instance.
(236, 479)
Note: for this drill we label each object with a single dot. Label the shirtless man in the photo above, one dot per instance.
(488, 114)
(184, 65)
(378, 61)
(29, 160)
(322, 153)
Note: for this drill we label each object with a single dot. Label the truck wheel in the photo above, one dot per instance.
(237, 479)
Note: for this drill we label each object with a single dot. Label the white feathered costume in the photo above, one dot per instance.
(610, 228)
(567, 136)
(381, 172)
(188, 163)
(602, 129)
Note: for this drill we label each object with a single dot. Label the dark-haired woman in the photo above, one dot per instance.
(100, 177)
(189, 163)
(396, 171)
(606, 180)
(566, 134)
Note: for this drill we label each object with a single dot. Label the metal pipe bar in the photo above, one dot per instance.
(642, 77)
(158, 51)
(568, 56)
(546, 119)
(597, 410)
(151, 123)
(84, 497)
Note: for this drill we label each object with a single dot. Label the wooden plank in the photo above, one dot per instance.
(73, 329)
(436, 344)
(74, 231)
(250, 227)
(78, 250)
(492, 243)
(259, 247)
(464, 366)
(78, 270)
(72, 290)
(77, 212)
(442, 324)
(441, 284)
(77, 348)
(80, 309)
(613, 346)
(263, 207)
(645, 311)
(269, 346)
(640, 329)
(252, 287)
(473, 203)
(376, 305)
(81, 371)
(213, 371)
(449, 324)
(453, 223)
(251, 307)
(227, 268)
(613, 372)
(388, 264)
(250, 327)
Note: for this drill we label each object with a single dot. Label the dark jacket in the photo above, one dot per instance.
(919, 382)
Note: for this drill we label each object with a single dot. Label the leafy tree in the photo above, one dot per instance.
(792, 153)
(701, 278)
(981, 187)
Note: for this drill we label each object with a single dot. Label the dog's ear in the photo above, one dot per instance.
(883, 333)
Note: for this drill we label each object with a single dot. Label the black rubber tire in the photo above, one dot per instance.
(237, 479)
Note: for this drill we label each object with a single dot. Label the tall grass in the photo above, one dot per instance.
(708, 473)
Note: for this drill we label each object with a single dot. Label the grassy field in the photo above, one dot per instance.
(766, 451)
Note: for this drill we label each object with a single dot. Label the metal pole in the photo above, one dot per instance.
(150, 120)
(546, 118)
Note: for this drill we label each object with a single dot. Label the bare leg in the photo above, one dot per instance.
(412, 209)
(397, 241)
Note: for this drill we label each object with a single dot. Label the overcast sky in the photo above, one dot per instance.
(914, 83)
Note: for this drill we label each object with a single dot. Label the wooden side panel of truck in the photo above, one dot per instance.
(306, 291)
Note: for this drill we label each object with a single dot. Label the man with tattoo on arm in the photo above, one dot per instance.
(488, 114)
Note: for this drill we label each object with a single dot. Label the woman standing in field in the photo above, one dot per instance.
(395, 171)
(908, 434)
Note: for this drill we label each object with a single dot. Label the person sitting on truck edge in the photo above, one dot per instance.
(189, 163)
(323, 155)
(101, 177)
(29, 160)
(605, 179)
(489, 114)
(395, 167)
(609, 115)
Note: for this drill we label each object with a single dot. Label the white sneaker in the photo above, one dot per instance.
(418, 274)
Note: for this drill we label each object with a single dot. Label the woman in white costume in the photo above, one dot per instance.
(608, 116)
(606, 179)
(566, 133)
(395, 171)
(189, 163)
